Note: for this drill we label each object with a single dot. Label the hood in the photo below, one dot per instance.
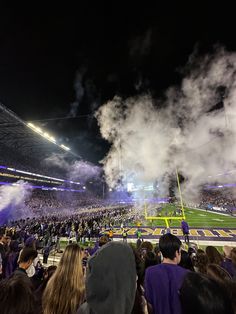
(29, 241)
(111, 279)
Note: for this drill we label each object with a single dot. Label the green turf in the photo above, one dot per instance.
(198, 218)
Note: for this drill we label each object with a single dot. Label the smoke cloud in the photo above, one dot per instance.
(192, 129)
(85, 92)
(79, 92)
(58, 161)
(84, 170)
(141, 45)
(12, 198)
(78, 170)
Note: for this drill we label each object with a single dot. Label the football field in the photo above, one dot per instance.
(198, 218)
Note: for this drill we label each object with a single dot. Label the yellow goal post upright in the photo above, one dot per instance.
(168, 218)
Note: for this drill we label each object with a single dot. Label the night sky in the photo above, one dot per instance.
(115, 49)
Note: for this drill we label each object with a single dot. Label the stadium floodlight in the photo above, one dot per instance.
(38, 130)
(64, 147)
(52, 139)
(46, 135)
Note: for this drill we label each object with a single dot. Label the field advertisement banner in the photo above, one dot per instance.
(211, 234)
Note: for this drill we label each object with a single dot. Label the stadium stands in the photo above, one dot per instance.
(218, 200)
(23, 148)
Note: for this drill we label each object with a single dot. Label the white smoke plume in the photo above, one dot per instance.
(79, 91)
(141, 45)
(12, 200)
(151, 138)
(76, 170)
(58, 161)
(85, 171)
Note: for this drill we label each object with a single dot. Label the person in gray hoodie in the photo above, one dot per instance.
(110, 280)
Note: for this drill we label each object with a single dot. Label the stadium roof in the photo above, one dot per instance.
(16, 134)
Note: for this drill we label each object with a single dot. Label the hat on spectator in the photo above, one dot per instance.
(111, 279)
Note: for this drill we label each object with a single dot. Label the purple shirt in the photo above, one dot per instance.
(162, 283)
(94, 249)
(11, 264)
(185, 227)
(229, 267)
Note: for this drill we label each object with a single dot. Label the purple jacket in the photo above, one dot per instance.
(94, 249)
(11, 263)
(162, 284)
(228, 265)
(185, 227)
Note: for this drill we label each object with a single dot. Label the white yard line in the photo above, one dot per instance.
(208, 211)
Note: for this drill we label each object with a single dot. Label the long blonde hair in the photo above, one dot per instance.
(65, 290)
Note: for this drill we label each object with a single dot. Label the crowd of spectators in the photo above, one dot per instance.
(111, 277)
(81, 224)
(217, 200)
(167, 278)
(44, 201)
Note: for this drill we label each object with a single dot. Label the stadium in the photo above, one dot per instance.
(123, 201)
(24, 149)
(46, 201)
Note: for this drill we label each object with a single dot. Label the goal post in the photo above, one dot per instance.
(168, 218)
